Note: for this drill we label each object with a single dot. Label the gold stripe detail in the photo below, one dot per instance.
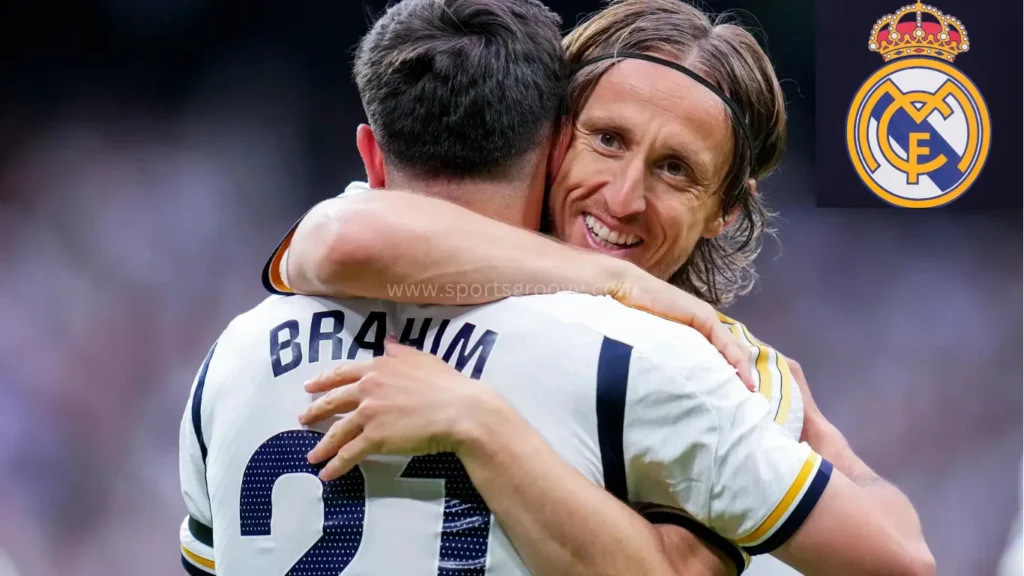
(785, 389)
(771, 522)
(197, 559)
(761, 366)
(764, 373)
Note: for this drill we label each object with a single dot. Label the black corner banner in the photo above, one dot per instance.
(919, 105)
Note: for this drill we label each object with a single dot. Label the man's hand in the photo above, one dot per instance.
(405, 402)
(817, 431)
(638, 289)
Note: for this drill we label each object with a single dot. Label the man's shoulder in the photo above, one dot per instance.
(354, 188)
(269, 308)
(604, 314)
(665, 356)
(254, 338)
(278, 310)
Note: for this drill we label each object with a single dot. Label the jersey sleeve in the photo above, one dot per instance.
(196, 533)
(773, 379)
(695, 439)
(275, 276)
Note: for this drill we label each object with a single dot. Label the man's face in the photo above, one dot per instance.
(640, 178)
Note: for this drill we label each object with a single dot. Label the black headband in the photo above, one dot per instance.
(736, 117)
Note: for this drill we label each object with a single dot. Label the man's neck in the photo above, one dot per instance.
(508, 202)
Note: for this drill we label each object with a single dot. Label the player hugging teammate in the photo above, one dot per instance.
(574, 435)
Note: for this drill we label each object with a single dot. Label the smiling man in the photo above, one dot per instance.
(635, 178)
(760, 488)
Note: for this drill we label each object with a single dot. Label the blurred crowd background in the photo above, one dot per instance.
(153, 153)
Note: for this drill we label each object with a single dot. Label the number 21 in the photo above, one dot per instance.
(464, 534)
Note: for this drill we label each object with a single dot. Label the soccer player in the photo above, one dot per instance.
(668, 185)
(255, 505)
(371, 244)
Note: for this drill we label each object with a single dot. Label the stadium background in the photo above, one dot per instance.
(152, 153)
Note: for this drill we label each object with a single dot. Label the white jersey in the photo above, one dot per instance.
(771, 373)
(642, 406)
(772, 379)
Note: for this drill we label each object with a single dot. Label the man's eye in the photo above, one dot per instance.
(675, 168)
(608, 140)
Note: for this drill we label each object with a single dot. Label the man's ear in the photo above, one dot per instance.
(720, 224)
(373, 157)
(559, 148)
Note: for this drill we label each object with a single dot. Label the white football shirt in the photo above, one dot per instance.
(642, 406)
(770, 370)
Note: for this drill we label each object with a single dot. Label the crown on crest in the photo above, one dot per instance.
(918, 30)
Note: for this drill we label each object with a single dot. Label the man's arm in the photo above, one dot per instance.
(750, 479)
(196, 536)
(844, 534)
(406, 247)
(689, 555)
(560, 523)
(881, 496)
(365, 243)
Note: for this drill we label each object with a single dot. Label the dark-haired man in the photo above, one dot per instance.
(601, 403)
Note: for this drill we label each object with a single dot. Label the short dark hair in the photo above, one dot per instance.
(462, 88)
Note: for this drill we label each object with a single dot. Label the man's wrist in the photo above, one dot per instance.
(826, 439)
(830, 443)
(478, 430)
(615, 276)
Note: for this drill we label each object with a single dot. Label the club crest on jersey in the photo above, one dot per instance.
(918, 130)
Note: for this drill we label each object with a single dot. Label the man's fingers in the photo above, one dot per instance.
(407, 355)
(395, 350)
(735, 353)
(338, 401)
(704, 319)
(338, 436)
(351, 454)
(727, 345)
(340, 375)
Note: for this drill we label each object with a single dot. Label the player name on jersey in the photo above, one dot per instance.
(326, 327)
(643, 407)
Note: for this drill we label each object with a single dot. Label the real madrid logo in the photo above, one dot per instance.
(918, 131)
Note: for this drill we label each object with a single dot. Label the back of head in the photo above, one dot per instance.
(730, 58)
(461, 89)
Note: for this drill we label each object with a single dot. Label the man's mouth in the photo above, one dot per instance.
(603, 237)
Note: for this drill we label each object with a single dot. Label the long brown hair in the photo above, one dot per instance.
(722, 268)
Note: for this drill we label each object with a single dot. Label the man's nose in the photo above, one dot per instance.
(625, 196)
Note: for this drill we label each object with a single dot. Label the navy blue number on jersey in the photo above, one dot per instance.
(466, 525)
(467, 520)
(344, 502)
